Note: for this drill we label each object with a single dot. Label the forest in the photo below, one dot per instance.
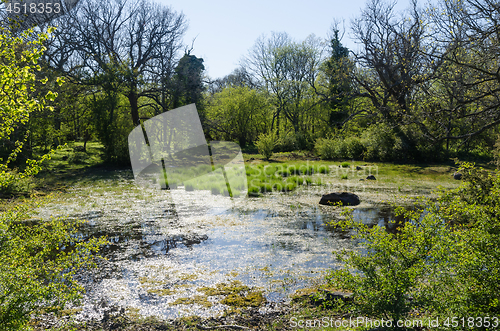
(423, 86)
(418, 100)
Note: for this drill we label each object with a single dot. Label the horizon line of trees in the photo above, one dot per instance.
(424, 84)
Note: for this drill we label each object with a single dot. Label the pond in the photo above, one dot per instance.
(161, 252)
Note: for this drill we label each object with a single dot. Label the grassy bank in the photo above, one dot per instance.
(285, 172)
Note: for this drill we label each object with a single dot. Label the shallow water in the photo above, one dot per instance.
(160, 252)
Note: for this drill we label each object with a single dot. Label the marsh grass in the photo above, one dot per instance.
(262, 177)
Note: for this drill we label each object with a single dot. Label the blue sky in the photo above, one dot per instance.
(226, 29)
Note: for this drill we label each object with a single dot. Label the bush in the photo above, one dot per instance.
(286, 143)
(265, 145)
(379, 141)
(325, 148)
(442, 261)
(340, 148)
(355, 148)
(387, 281)
(38, 263)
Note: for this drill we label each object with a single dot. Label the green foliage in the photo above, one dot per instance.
(38, 261)
(474, 207)
(286, 143)
(265, 145)
(112, 125)
(18, 66)
(280, 178)
(496, 153)
(340, 148)
(443, 260)
(238, 113)
(325, 148)
(387, 280)
(188, 85)
(379, 141)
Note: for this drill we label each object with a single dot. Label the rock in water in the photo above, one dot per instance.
(371, 177)
(345, 199)
(457, 175)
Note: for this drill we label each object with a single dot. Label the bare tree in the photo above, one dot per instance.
(137, 42)
(394, 64)
(287, 70)
(468, 34)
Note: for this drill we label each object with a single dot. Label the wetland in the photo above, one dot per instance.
(206, 255)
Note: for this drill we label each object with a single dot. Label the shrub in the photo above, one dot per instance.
(38, 263)
(340, 148)
(388, 281)
(325, 148)
(345, 165)
(354, 147)
(443, 260)
(265, 145)
(286, 143)
(379, 141)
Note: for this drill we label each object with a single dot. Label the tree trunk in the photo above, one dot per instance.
(134, 105)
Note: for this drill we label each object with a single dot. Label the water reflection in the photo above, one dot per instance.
(157, 254)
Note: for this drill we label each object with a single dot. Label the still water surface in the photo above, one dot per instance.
(160, 252)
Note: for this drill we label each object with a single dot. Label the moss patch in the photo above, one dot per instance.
(225, 289)
(236, 294)
(252, 299)
(196, 300)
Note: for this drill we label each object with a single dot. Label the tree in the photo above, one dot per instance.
(338, 70)
(140, 37)
(238, 113)
(287, 70)
(467, 34)
(37, 259)
(18, 67)
(187, 83)
(392, 64)
(238, 78)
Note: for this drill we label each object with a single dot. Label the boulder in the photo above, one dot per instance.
(371, 177)
(457, 176)
(359, 168)
(345, 199)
